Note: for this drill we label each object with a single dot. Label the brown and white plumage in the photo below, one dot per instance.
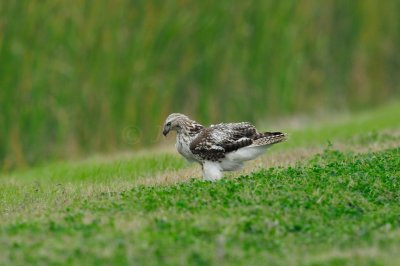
(222, 147)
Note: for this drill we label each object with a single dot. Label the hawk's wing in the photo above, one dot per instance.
(212, 143)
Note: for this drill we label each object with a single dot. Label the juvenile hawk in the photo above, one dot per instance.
(222, 147)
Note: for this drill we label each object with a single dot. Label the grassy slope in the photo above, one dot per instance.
(363, 127)
(335, 208)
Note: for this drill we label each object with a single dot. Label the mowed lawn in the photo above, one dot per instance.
(338, 206)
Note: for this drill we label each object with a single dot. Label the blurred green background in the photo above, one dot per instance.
(78, 77)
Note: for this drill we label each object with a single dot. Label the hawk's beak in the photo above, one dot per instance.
(165, 131)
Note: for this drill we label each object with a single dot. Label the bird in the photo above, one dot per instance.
(221, 147)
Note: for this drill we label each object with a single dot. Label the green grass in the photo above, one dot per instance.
(104, 169)
(335, 208)
(367, 126)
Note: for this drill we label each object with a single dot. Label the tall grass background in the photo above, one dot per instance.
(99, 76)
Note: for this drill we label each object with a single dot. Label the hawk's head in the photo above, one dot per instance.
(175, 122)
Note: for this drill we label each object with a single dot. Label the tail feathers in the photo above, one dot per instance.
(268, 138)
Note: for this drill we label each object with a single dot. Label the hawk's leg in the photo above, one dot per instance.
(211, 171)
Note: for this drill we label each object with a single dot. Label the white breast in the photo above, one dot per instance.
(183, 147)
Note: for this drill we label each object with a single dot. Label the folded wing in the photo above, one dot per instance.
(214, 142)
